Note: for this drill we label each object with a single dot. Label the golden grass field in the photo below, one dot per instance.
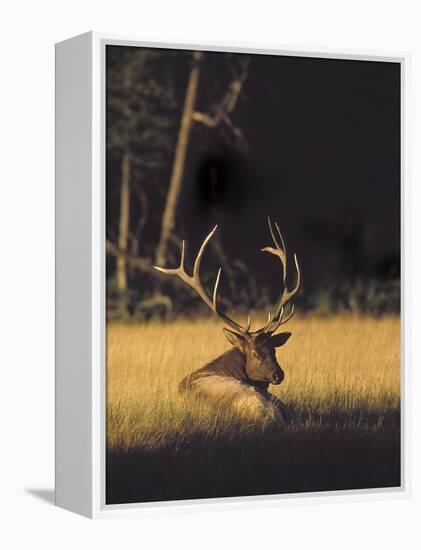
(346, 366)
(342, 376)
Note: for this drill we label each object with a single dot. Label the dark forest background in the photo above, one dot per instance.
(196, 139)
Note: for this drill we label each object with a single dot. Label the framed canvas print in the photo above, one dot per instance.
(229, 253)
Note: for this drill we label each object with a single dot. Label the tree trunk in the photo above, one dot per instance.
(168, 218)
(124, 225)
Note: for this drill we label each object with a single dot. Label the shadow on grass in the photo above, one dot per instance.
(293, 460)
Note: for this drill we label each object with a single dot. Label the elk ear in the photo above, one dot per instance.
(280, 339)
(234, 339)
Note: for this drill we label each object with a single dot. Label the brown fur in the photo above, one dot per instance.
(231, 364)
(239, 379)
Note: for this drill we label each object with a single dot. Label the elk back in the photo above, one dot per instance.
(237, 398)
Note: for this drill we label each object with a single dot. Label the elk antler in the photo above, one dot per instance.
(195, 283)
(280, 250)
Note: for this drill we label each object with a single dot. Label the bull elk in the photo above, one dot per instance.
(238, 380)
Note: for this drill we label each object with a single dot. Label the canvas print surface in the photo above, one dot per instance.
(253, 274)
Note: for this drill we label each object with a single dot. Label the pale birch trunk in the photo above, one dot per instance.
(168, 218)
(123, 234)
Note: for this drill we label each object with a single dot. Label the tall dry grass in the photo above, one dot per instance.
(342, 380)
(341, 371)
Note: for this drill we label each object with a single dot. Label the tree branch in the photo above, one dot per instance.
(226, 106)
(144, 265)
(140, 263)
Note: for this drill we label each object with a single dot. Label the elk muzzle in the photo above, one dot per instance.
(277, 377)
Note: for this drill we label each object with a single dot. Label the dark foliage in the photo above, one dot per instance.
(322, 158)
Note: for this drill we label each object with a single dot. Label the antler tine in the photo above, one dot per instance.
(290, 293)
(279, 250)
(195, 283)
(176, 270)
(183, 251)
(215, 290)
(247, 327)
(284, 248)
(264, 329)
(273, 233)
(198, 261)
(287, 295)
(281, 321)
(268, 323)
(233, 324)
(288, 317)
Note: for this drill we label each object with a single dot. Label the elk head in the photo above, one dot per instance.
(258, 347)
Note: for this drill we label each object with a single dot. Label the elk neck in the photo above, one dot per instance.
(233, 365)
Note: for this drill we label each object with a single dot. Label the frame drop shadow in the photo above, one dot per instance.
(47, 495)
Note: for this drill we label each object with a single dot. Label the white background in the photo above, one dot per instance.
(28, 32)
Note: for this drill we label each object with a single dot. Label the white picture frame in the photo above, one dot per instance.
(80, 275)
